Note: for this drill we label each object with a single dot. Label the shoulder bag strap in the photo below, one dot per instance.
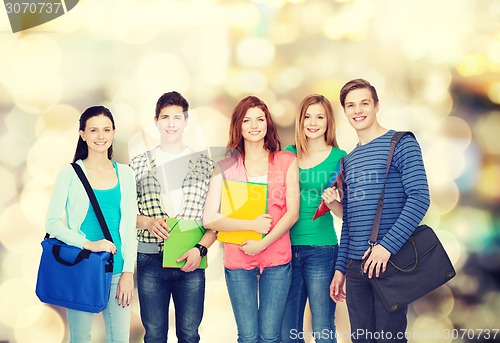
(93, 201)
(378, 215)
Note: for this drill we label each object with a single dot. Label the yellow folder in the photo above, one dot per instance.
(242, 200)
(184, 234)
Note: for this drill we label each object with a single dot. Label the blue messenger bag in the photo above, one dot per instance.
(72, 277)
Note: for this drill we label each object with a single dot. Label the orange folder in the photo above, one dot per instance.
(242, 200)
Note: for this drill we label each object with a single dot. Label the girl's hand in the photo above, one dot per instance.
(102, 245)
(125, 289)
(262, 224)
(252, 247)
(331, 199)
(329, 195)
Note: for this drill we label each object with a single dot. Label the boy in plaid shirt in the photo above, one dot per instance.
(172, 181)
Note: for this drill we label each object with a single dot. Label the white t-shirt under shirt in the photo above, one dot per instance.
(171, 170)
(258, 179)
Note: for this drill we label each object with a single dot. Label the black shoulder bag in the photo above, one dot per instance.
(419, 267)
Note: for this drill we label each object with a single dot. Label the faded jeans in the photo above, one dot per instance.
(312, 272)
(258, 301)
(116, 320)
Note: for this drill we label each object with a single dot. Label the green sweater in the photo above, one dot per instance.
(313, 182)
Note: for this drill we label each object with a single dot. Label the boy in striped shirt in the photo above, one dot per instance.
(405, 204)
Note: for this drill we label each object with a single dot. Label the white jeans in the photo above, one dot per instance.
(116, 320)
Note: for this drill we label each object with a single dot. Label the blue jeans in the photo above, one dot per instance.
(370, 321)
(116, 320)
(155, 286)
(258, 301)
(312, 272)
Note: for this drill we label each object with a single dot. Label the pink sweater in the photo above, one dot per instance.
(279, 252)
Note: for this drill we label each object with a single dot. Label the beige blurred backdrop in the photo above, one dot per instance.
(435, 64)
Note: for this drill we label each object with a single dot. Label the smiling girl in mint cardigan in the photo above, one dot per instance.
(71, 219)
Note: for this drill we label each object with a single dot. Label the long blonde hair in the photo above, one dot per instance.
(300, 135)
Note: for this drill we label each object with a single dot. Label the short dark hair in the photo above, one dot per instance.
(82, 149)
(357, 84)
(172, 99)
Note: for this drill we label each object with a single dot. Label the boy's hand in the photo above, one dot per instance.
(158, 228)
(193, 259)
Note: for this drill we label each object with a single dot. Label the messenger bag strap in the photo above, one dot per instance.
(93, 201)
(378, 215)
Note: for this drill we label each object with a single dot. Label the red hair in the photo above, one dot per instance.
(271, 140)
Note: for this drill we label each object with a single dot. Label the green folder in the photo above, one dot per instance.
(184, 235)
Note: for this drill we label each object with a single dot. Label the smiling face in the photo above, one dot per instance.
(98, 133)
(315, 123)
(171, 123)
(254, 125)
(360, 109)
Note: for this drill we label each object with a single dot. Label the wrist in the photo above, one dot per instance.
(249, 225)
(262, 244)
(202, 249)
(148, 223)
(142, 222)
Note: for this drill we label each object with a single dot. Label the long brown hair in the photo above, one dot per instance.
(300, 135)
(271, 140)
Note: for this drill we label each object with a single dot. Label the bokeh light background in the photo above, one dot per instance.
(436, 65)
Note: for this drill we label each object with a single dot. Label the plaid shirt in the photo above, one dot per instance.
(194, 188)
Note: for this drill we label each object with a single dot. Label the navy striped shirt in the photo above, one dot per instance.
(406, 196)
